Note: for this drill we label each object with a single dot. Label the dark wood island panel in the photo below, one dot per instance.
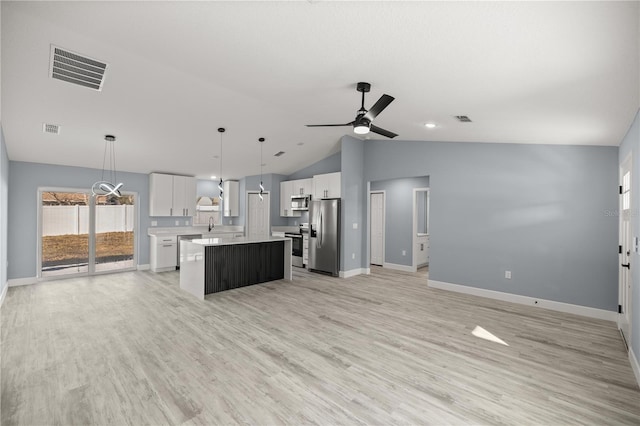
(239, 265)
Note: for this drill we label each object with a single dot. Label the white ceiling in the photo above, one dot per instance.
(524, 72)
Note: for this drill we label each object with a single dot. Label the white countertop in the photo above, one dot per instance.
(230, 241)
(189, 230)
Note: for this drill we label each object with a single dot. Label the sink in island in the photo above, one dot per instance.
(210, 265)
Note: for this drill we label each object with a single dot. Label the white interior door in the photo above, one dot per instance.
(626, 241)
(258, 215)
(377, 228)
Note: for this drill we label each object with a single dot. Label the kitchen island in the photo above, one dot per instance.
(210, 265)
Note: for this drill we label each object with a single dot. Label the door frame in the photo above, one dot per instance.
(625, 317)
(414, 238)
(384, 223)
(246, 224)
(92, 219)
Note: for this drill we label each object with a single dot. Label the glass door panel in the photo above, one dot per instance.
(65, 233)
(114, 232)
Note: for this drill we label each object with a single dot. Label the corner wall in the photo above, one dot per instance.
(24, 181)
(539, 211)
(4, 214)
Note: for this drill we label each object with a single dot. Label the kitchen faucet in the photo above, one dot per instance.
(210, 223)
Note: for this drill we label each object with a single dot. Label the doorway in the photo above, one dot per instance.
(377, 210)
(626, 244)
(80, 234)
(258, 215)
(420, 228)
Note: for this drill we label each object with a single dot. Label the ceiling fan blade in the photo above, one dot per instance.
(377, 108)
(383, 132)
(329, 125)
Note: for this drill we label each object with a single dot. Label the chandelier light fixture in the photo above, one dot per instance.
(108, 187)
(221, 130)
(261, 140)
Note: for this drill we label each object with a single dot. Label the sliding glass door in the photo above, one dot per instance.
(83, 234)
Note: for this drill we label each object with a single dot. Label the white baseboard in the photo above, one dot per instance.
(585, 311)
(4, 293)
(22, 281)
(634, 365)
(144, 267)
(354, 272)
(397, 267)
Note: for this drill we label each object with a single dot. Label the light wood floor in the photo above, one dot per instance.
(132, 348)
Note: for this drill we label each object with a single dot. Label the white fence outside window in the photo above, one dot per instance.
(74, 220)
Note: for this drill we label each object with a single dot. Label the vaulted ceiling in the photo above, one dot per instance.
(524, 72)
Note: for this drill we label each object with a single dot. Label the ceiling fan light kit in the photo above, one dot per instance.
(363, 122)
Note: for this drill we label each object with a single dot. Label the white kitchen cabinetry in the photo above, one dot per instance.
(231, 196)
(422, 250)
(164, 252)
(171, 195)
(286, 191)
(305, 249)
(302, 186)
(327, 186)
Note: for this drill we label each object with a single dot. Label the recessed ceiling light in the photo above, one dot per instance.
(429, 125)
(213, 176)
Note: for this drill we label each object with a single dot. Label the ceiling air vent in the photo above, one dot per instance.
(278, 154)
(51, 128)
(463, 118)
(77, 69)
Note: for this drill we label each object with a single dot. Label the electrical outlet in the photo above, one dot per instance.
(177, 223)
(353, 255)
(230, 221)
(507, 274)
(404, 252)
(355, 225)
(154, 223)
(295, 223)
(186, 223)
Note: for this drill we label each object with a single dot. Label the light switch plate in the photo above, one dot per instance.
(355, 225)
(154, 223)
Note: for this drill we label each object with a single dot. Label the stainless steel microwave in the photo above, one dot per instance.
(300, 202)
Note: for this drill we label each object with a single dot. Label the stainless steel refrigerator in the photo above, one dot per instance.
(324, 236)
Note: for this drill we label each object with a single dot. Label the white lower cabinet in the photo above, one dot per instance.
(164, 252)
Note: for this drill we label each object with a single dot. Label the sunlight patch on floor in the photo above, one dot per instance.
(484, 334)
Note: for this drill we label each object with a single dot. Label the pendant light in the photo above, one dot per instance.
(261, 140)
(104, 187)
(220, 187)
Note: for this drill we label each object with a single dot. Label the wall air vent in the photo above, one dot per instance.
(278, 154)
(463, 118)
(51, 128)
(77, 69)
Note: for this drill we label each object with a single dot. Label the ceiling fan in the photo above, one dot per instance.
(363, 122)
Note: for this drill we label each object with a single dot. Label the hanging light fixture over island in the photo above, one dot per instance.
(103, 187)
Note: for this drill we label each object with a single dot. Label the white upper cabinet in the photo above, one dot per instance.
(160, 194)
(172, 195)
(327, 186)
(302, 186)
(231, 198)
(287, 189)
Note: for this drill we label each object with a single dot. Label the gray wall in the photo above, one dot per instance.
(24, 181)
(4, 212)
(354, 196)
(536, 210)
(329, 164)
(399, 217)
(631, 145)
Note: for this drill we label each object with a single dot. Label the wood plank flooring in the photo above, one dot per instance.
(133, 349)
